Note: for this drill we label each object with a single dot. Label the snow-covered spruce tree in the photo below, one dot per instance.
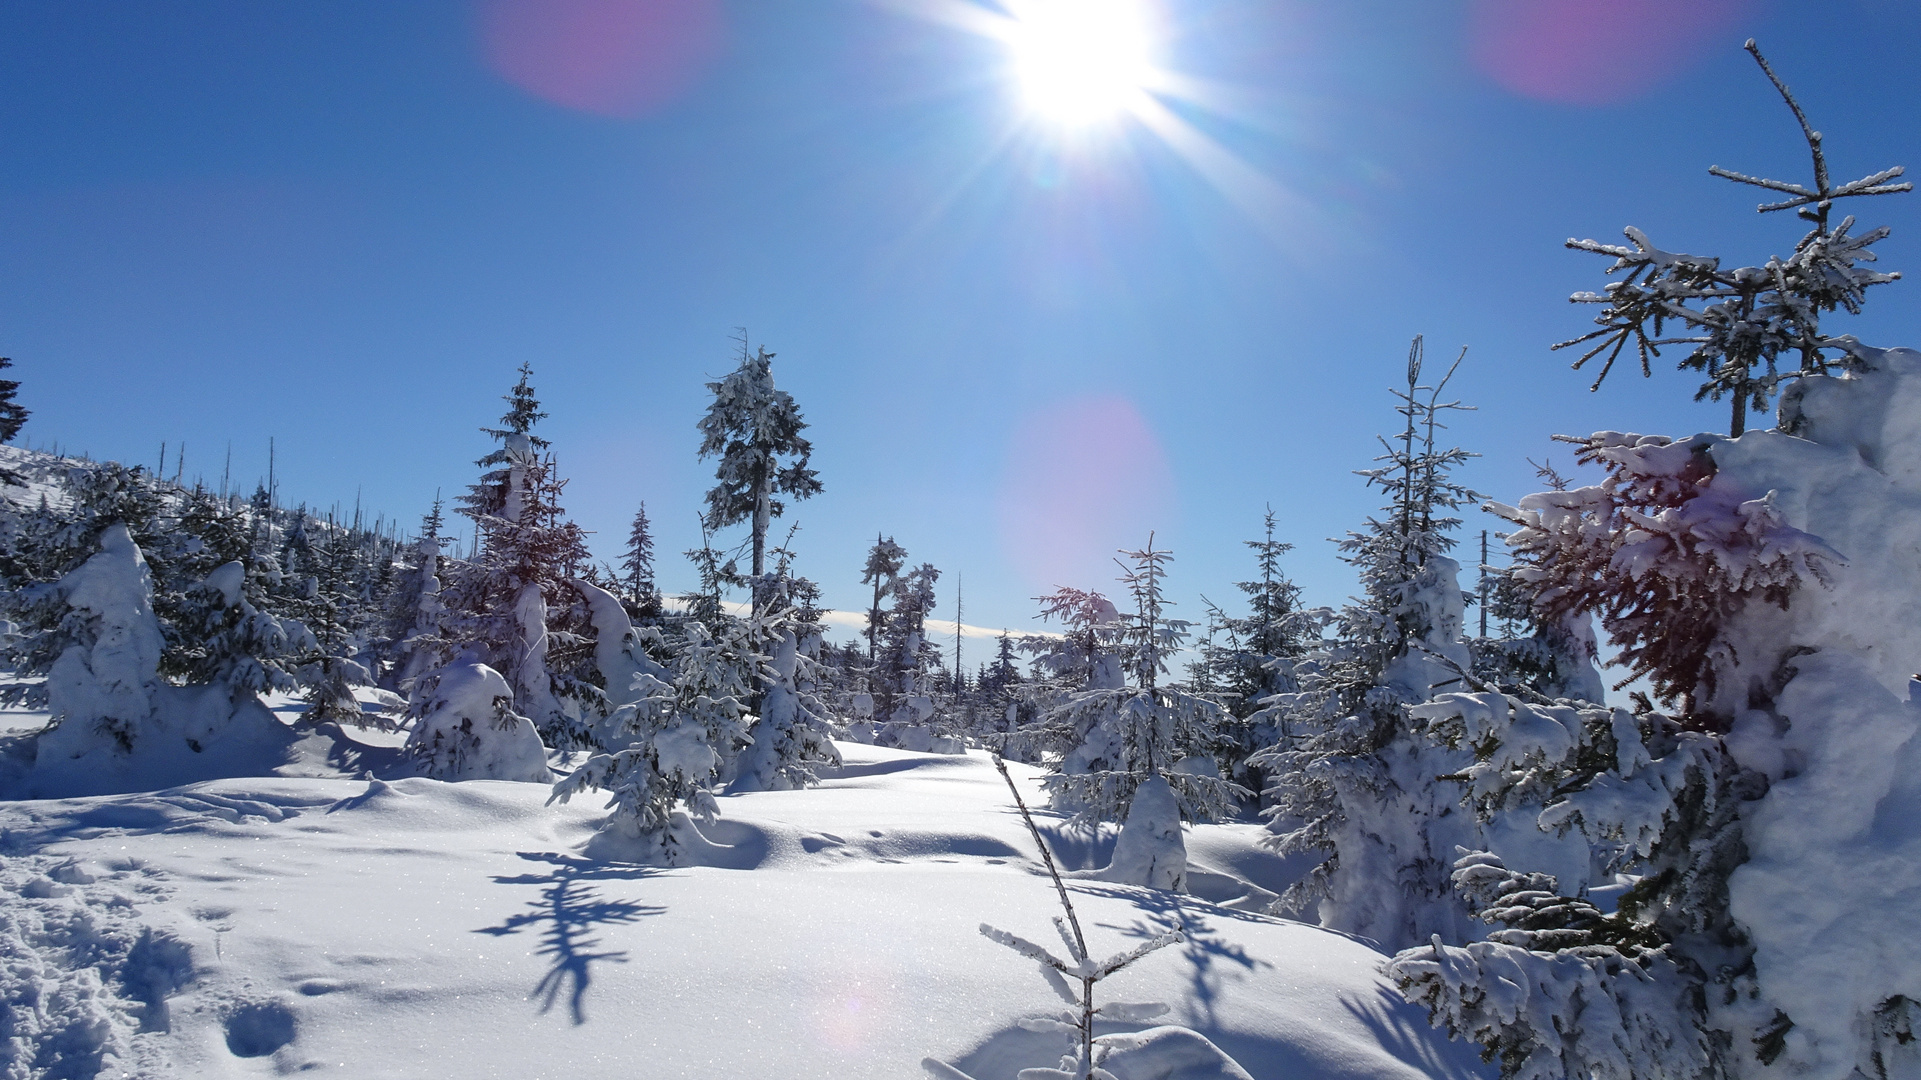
(329, 673)
(234, 641)
(1567, 989)
(678, 737)
(1765, 586)
(1247, 660)
(884, 562)
(416, 612)
(903, 696)
(1139, 750)
(791, 734)
(99, 648)
(529, 551)
(754, 429)
(1357, 785)
(51, 542)
(1744, 322)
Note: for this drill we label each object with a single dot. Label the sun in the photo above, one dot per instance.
(1081, 62)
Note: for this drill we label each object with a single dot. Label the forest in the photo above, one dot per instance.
(1694, 863)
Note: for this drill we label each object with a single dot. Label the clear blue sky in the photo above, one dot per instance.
(343, 225)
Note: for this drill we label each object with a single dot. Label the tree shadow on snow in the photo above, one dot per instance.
(1402, 1030)
(1210, 956)
(568, 909)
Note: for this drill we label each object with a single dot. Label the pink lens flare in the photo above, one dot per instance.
(1084, 478)
(619, 58)
(1595, 52)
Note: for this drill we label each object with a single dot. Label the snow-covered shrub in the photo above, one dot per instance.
(465, 728)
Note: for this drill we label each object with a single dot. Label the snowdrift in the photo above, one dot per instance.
(418, 928)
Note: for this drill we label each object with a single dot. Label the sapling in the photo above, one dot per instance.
(1060, 974)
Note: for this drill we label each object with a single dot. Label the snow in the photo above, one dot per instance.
(467, 731)
(1832, 889)
(1149, 851)
(412, 927)
(110, 675)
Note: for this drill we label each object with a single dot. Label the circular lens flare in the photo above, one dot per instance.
(1081, 61)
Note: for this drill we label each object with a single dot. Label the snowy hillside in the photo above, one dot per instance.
(416, 928)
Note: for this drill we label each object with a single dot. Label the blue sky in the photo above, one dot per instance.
(343, 226)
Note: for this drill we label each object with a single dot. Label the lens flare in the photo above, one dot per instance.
(1084, 478)
(1081, 61)
(618, 58)
(1586, 53)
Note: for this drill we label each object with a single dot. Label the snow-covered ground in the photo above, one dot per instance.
(413, 928)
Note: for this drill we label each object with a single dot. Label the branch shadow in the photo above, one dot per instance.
(1209, 954)
(568, 908)
(1398, 1027)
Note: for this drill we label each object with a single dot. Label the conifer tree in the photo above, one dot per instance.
(529, 552)
(884, 562)
(1114, 738)
(637, 565)
(901, 688)
(1357, 784)
(12, 418)
(416, 612)
(1744, 323)
(754, 429)
(678, 738)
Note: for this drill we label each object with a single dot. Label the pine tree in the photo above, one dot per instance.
(1743, 323)
(754, 429)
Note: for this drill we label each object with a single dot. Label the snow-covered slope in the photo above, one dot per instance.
(417, 928)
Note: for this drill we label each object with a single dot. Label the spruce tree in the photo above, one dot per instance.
(884, 562)
(506, 595)
(1744, 323)
(754, 429)
(1356, 785)
(637, 566)
(12, 418)
(1111, 738)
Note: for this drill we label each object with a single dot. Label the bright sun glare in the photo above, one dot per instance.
(1081, 61)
